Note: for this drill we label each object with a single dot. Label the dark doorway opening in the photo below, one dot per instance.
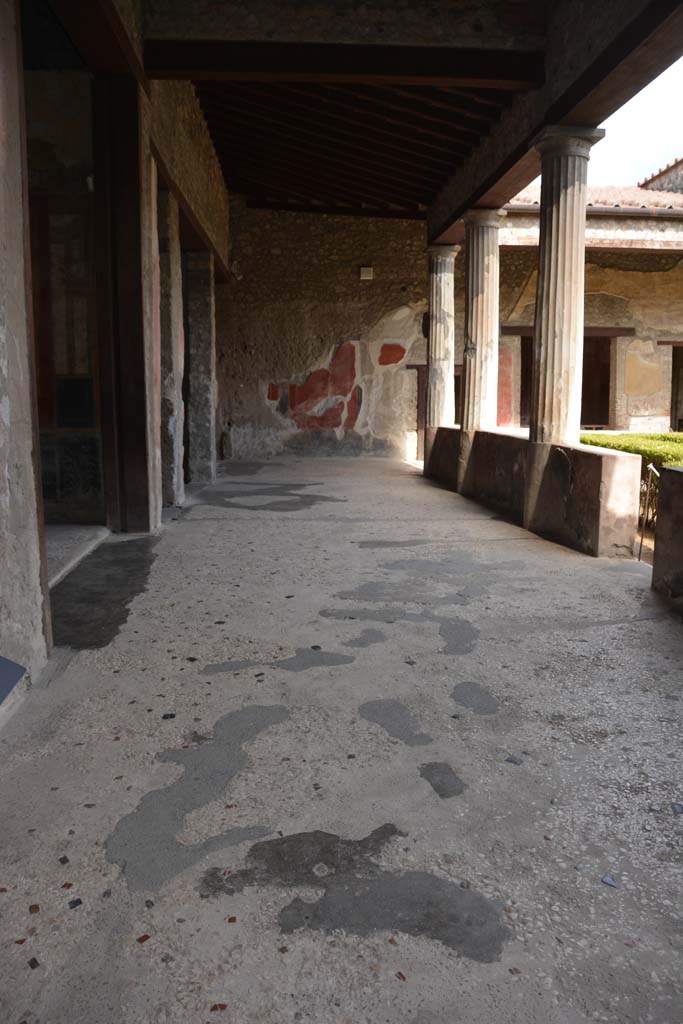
(457, 384)
(595, 387)
(677, 387)
(61, 189)
(527, 351)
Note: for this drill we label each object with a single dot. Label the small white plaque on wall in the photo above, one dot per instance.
(367, 273)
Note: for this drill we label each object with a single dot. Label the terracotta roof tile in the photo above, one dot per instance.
(629, 196)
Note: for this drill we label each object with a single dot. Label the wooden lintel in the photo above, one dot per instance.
(97, 32)
(335, 62)
(527, 330)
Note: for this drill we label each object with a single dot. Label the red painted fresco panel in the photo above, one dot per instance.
(390, 354)
(505, 385)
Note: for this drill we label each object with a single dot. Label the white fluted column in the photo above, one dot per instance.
(441, 345)
(558, 329)
(482, 278)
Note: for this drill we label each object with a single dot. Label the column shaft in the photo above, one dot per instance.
(558, 330)
(441, 347)
(172, 350)
(482, 275)
(201, 346)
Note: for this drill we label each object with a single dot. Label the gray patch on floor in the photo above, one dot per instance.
(475, 697)
(415, 903)
(442, 779)
(362, 898)
(391, 543)
(459, 635)
(458, 564)
(367, 638)
(422, 592)
(306, 658)
(250, 497)
(387, 615)
(144, 842)
(217, 667)
(396, 720)
(90, 605)
(301, 859)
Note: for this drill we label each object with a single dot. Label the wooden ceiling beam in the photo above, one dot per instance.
(379, 124)
(289, 183)
(305, 170)
(344, 136)
(222, 60)
(440, 100)
(476, 96)
(303, 111)
(342, 99)
(361, 150)
(281, 142)
(442, 119)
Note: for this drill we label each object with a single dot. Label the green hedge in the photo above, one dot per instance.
(660, 449)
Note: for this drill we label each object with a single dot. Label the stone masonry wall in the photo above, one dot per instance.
(180, 133)
(310, 356)
(496, 23)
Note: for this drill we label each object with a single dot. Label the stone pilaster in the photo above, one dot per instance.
(482, 277)
(558, 331)
(441, 347)
(172, 350)
(201, 371)
(25, 632)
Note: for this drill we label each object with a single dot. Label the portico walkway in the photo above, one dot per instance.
(340, 746)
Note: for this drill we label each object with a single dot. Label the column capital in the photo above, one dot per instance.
(488, 218)
(567, 140)
(446, 251)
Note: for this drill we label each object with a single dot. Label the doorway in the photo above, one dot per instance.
(595, 385)
(677, 388)
(420, 371)
(595, 388)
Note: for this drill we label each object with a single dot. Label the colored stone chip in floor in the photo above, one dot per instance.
(341, 747)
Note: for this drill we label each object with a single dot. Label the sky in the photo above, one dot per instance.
(644, 135)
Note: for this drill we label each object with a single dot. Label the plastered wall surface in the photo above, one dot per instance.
(310, 356)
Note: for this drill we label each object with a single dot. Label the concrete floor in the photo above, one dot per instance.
(339, 746)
